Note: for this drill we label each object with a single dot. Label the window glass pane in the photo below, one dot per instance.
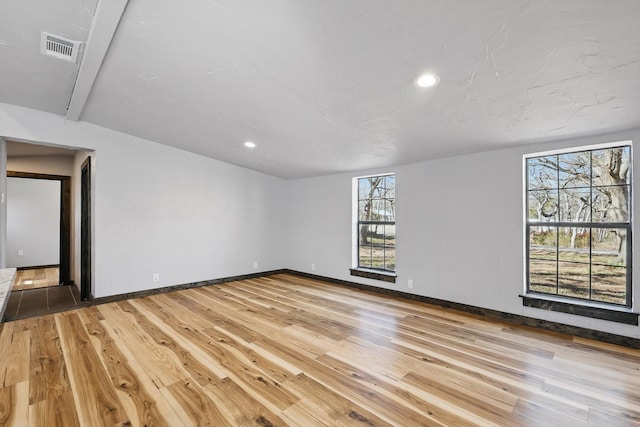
(575, 205)
(364, 187)
(543, 205)
(388, 213)
(365, 257)
(611, 166)
(609, 246)
(609, 284)
(364, 211)
(385, 210)
(611, 204)
(391, 187)
(543, 243)
(542, 276)
(365, 248)
(574, 244)
(542, 172)
(376, 235)
(377, 187)
(574, 169)
(573, 280)
(390, 247)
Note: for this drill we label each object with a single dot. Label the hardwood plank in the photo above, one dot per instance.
(163, 338)
(15, 360)
(95, 397)
(156, 396)
(243, 409)
(202, 368)
(48, 373)
(140, 398)
(332, 408)
(6, 332)
(58, 410)
(14, 405)
(535, 413)
(384, 390)
(194, 406)
(158, 362)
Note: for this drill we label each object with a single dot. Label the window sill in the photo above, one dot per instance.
(581, 308)
(374, 274)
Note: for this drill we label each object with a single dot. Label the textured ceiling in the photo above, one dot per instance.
(28, 78)
(326, 86)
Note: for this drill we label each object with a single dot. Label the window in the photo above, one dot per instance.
(578, 224)
(376, 225)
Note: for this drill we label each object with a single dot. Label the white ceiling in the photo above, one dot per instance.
(326, 86)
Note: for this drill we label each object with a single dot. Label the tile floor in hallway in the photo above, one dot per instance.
(35, 302)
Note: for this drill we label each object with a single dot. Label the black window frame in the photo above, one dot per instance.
(360, 223)
(590, 225)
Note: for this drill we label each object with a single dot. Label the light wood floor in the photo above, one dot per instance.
(284, 350)
(36, 278)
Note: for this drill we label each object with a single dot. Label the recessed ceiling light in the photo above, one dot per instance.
(427, 80)
(250, 144)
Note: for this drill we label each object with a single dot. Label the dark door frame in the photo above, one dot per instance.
(65, 218)
(85, 230)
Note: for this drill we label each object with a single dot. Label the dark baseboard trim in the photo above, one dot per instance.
(148, 292)
(488, 313)
(372, 274)
(603, 313)
(38, 267)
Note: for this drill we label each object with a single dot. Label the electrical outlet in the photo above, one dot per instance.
(313, 267)
(156, 277)
(410, 283)
(20, 252)
(255, 264)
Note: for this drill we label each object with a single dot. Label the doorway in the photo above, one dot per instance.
(42, 285)
(64, 225)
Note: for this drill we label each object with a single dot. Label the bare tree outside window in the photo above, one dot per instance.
(578, 224)
(377, 222)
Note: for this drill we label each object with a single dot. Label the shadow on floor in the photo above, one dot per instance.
(36, 302)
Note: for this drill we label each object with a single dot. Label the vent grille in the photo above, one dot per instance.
(59, 47)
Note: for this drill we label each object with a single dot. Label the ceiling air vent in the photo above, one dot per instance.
(59, 47)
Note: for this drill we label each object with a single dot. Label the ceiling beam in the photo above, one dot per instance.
(105, 23)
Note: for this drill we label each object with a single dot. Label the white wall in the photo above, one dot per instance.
(460, 233)
(33, 222)
(162, 210)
